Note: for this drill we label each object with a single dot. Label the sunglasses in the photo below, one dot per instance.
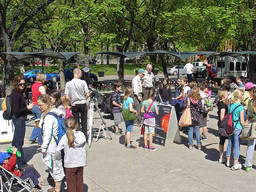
(22, 84)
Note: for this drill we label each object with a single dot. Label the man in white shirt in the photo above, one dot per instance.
(137, 91)
(189, 70)
(77, 91)
(148, 80)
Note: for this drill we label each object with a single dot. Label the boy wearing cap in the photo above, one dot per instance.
(137, 91)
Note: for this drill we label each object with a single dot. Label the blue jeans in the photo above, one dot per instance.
(18, 137)
(37, 132)
(129, 125)
(190, 135)
(233, 141)
(249, 152)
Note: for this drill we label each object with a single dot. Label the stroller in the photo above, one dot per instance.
(11, 183)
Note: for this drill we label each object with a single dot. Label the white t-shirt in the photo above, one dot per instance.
(189, 68)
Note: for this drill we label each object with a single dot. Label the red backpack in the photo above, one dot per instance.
(226, 127)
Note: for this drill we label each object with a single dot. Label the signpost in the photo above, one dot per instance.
(166, 125)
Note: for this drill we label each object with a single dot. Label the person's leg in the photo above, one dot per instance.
(18, 138)
(221, 148)
(36, 132)
(150, 139)
(236, 146)
(190, 136)
(83, 112)
(79, 179)
(71, 179)
(146, 136)
(229, 149)
(137, 108)
(128, 138)
(249, 152)
(198, 137)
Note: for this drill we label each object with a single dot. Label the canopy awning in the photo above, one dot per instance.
(42, 54)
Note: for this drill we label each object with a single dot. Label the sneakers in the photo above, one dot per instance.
(152, 148)
(248, 168)
(145, 147)
(199, 147)
(228, 164)
(190, 146)
(131, 147)
(236, 167)
(204, 138)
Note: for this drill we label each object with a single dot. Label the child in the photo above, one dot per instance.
(29, 173)
(128, 104)
(149, 109)
(65, 103)
(117, 106)
(73, 144)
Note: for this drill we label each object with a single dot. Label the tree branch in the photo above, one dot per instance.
(29, 17)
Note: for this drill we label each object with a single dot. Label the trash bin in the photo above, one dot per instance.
(101, 73)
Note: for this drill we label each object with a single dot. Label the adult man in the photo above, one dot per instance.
(77, 91)
(137, 91)
(147, 81)
(189, 70)
(37, 89)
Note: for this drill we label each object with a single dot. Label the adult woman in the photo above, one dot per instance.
(222, 111)
(237, 111)
(195, 104)
(19, 109)
(165, 91)
(250, 116)
(49, 126)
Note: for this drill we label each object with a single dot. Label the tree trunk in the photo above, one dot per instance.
(164, 65)
(61, 74)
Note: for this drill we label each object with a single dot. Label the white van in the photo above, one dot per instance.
(198, 66)
(232, 66)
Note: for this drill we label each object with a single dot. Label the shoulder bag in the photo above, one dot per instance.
(185, 119)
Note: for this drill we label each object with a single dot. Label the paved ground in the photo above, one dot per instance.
(113, 168)
(172, 168)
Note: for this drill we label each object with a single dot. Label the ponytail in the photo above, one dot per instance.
(71, 125)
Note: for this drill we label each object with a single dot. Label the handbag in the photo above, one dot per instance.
(185, 119)
(128, 115)
(143, 126)
(248, 132)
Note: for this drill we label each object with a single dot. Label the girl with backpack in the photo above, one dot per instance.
(237, 110)
(150, 110)
(73, 143)
(128, 104)
(50, 130)
(194, 102)
(222, 111)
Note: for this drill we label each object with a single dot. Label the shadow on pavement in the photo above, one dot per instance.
(213, 131)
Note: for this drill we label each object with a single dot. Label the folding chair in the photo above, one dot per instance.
(11, 183)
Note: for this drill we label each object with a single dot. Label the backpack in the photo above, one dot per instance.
(7, 105)
(226, 127)
(68, 113)
(61, 126)
(107, 104)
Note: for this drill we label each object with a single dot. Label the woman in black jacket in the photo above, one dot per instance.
(19, 111)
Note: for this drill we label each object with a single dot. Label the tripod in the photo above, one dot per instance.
(103, 128)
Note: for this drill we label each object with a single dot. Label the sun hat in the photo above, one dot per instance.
(3, 156)
(249, 85)
(141, 71)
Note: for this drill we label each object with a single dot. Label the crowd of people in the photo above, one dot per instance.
(140, 100)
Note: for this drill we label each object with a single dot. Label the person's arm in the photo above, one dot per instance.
(60, 146)
(242, 117)
(114, 101)
(42, 90)
(222, 113)
(48, 131)
(11, 164)
(131, 108)
(156, 110)
(135, 87)
(142, 109)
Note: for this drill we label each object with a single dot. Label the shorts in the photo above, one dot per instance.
(118, 118)
(129, 126)
(204, 120)
(149, 129)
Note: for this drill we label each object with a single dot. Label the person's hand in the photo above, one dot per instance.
(44, 153)
(30, 106)
(139, 98)
(14, 150)
(135, 112)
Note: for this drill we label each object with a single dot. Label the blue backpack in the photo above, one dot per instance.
(61, 126)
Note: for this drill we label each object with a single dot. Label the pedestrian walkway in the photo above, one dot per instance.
(113, 168)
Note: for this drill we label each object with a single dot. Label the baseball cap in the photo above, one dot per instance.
(249, 85)
(141, 71)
